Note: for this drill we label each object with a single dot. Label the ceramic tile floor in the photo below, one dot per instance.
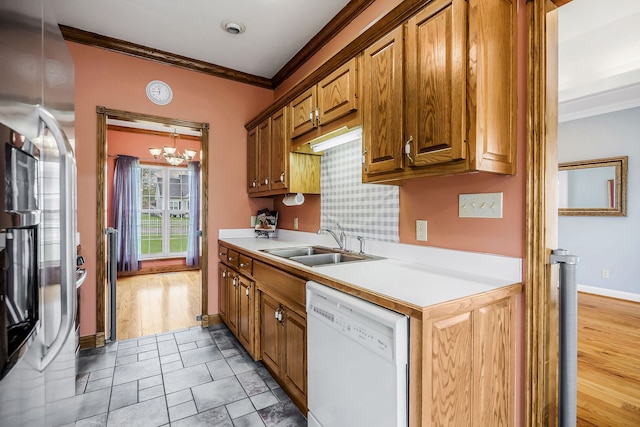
(193, 377)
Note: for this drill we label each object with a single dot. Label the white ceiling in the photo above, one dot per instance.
(599, 57)
(275, 29)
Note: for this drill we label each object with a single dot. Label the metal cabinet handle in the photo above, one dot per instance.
(407, 149)
(254, 183)
(266, 181)
(311, 117)
(282, 177)
(230, 259)
(243, 265)
(317, 117)
(247, 291)
(224, 274)
(221, 253)
(235, 284)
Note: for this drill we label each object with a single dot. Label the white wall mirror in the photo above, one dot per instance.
(593, 187)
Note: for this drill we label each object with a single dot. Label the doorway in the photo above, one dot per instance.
(134, 120)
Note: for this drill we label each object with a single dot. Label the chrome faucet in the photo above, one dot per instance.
(341, 241)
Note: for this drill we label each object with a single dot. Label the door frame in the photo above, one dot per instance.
(541, 296)
(101, 220)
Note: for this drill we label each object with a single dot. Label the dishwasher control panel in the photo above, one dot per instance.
(366, 323)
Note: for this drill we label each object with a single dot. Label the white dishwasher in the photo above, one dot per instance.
(357, 361)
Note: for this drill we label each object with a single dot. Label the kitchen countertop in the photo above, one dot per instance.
(413, 284)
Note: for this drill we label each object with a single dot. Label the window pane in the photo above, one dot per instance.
(151, 233)
(178, 190)
(178, 233)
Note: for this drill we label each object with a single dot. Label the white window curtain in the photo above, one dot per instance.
(367, 210)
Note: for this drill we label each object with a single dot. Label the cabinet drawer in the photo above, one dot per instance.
(222, 253)
(233, 258)
(289, 287)
(245, 264)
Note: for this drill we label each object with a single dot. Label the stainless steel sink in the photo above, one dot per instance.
(318, 255)
(298, 251)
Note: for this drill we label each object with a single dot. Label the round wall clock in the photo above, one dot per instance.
(159, 92)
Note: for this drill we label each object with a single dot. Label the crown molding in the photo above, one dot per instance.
(121, 46)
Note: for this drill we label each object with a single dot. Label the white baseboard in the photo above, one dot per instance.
(609, 293)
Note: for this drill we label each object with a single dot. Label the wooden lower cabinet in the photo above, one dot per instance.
(246, 317)
(233, 294)
(468, 362)
(223, 289)
(283, 343)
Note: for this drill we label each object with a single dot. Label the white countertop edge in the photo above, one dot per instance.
(474, 263)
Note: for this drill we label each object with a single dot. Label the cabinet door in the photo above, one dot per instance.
(264, 155)
(383, 104)
(233, 308)
(436, 60)
(252, 161)
(449, 362)
(337, 93)
(302, 112)
(294, 364)
(245, 313)
(223, 289)
(279, 151)
(270, 332)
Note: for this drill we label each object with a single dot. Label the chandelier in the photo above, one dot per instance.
(170, 152)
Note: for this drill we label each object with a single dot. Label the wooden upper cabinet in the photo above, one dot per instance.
(302, 112)
(337, 93)
(492, 85)
(326, 106)
(252, 161)
(458, 79)
(264, 155)
(435, 102)
(383, 105)
(279, 151)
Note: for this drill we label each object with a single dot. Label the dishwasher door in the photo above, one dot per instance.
(357, 361)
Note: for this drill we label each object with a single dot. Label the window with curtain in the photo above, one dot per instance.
(164, 213)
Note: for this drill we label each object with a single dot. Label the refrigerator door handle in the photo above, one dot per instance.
(67, 233)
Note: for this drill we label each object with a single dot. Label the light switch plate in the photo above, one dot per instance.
(421, 230)
(480, 205)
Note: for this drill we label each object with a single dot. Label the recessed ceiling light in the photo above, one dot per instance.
(232, 27)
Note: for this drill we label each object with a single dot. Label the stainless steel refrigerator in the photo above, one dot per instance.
(37, 219)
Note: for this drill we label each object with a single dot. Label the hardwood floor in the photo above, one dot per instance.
(154, 303)
(608, 362)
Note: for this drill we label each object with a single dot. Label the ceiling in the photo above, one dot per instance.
(275, 30)
(598, 57)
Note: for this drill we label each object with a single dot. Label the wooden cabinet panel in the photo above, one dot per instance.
(491, 85)
(435, 48)
(302, 113)
(246, 299)
(222, 253)
(289, 288)
(233, 309)
(294, 365)
(252, 161)
(279, 152)
(337, 93)
(383, 104)
(270, 332)
(264, 155)
(451, 356)
(494, 365)
(245, 264)
(223, 289)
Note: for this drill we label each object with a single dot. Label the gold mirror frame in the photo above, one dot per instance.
(101, 161)
(619, 190)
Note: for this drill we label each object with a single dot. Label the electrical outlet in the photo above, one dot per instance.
(604, 274)
(421, 230)
(480, 205)
(295, 223)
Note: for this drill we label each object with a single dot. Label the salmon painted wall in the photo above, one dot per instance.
(137, 145)
(118, 81)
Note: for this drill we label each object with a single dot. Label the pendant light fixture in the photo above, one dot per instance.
(170, 152)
